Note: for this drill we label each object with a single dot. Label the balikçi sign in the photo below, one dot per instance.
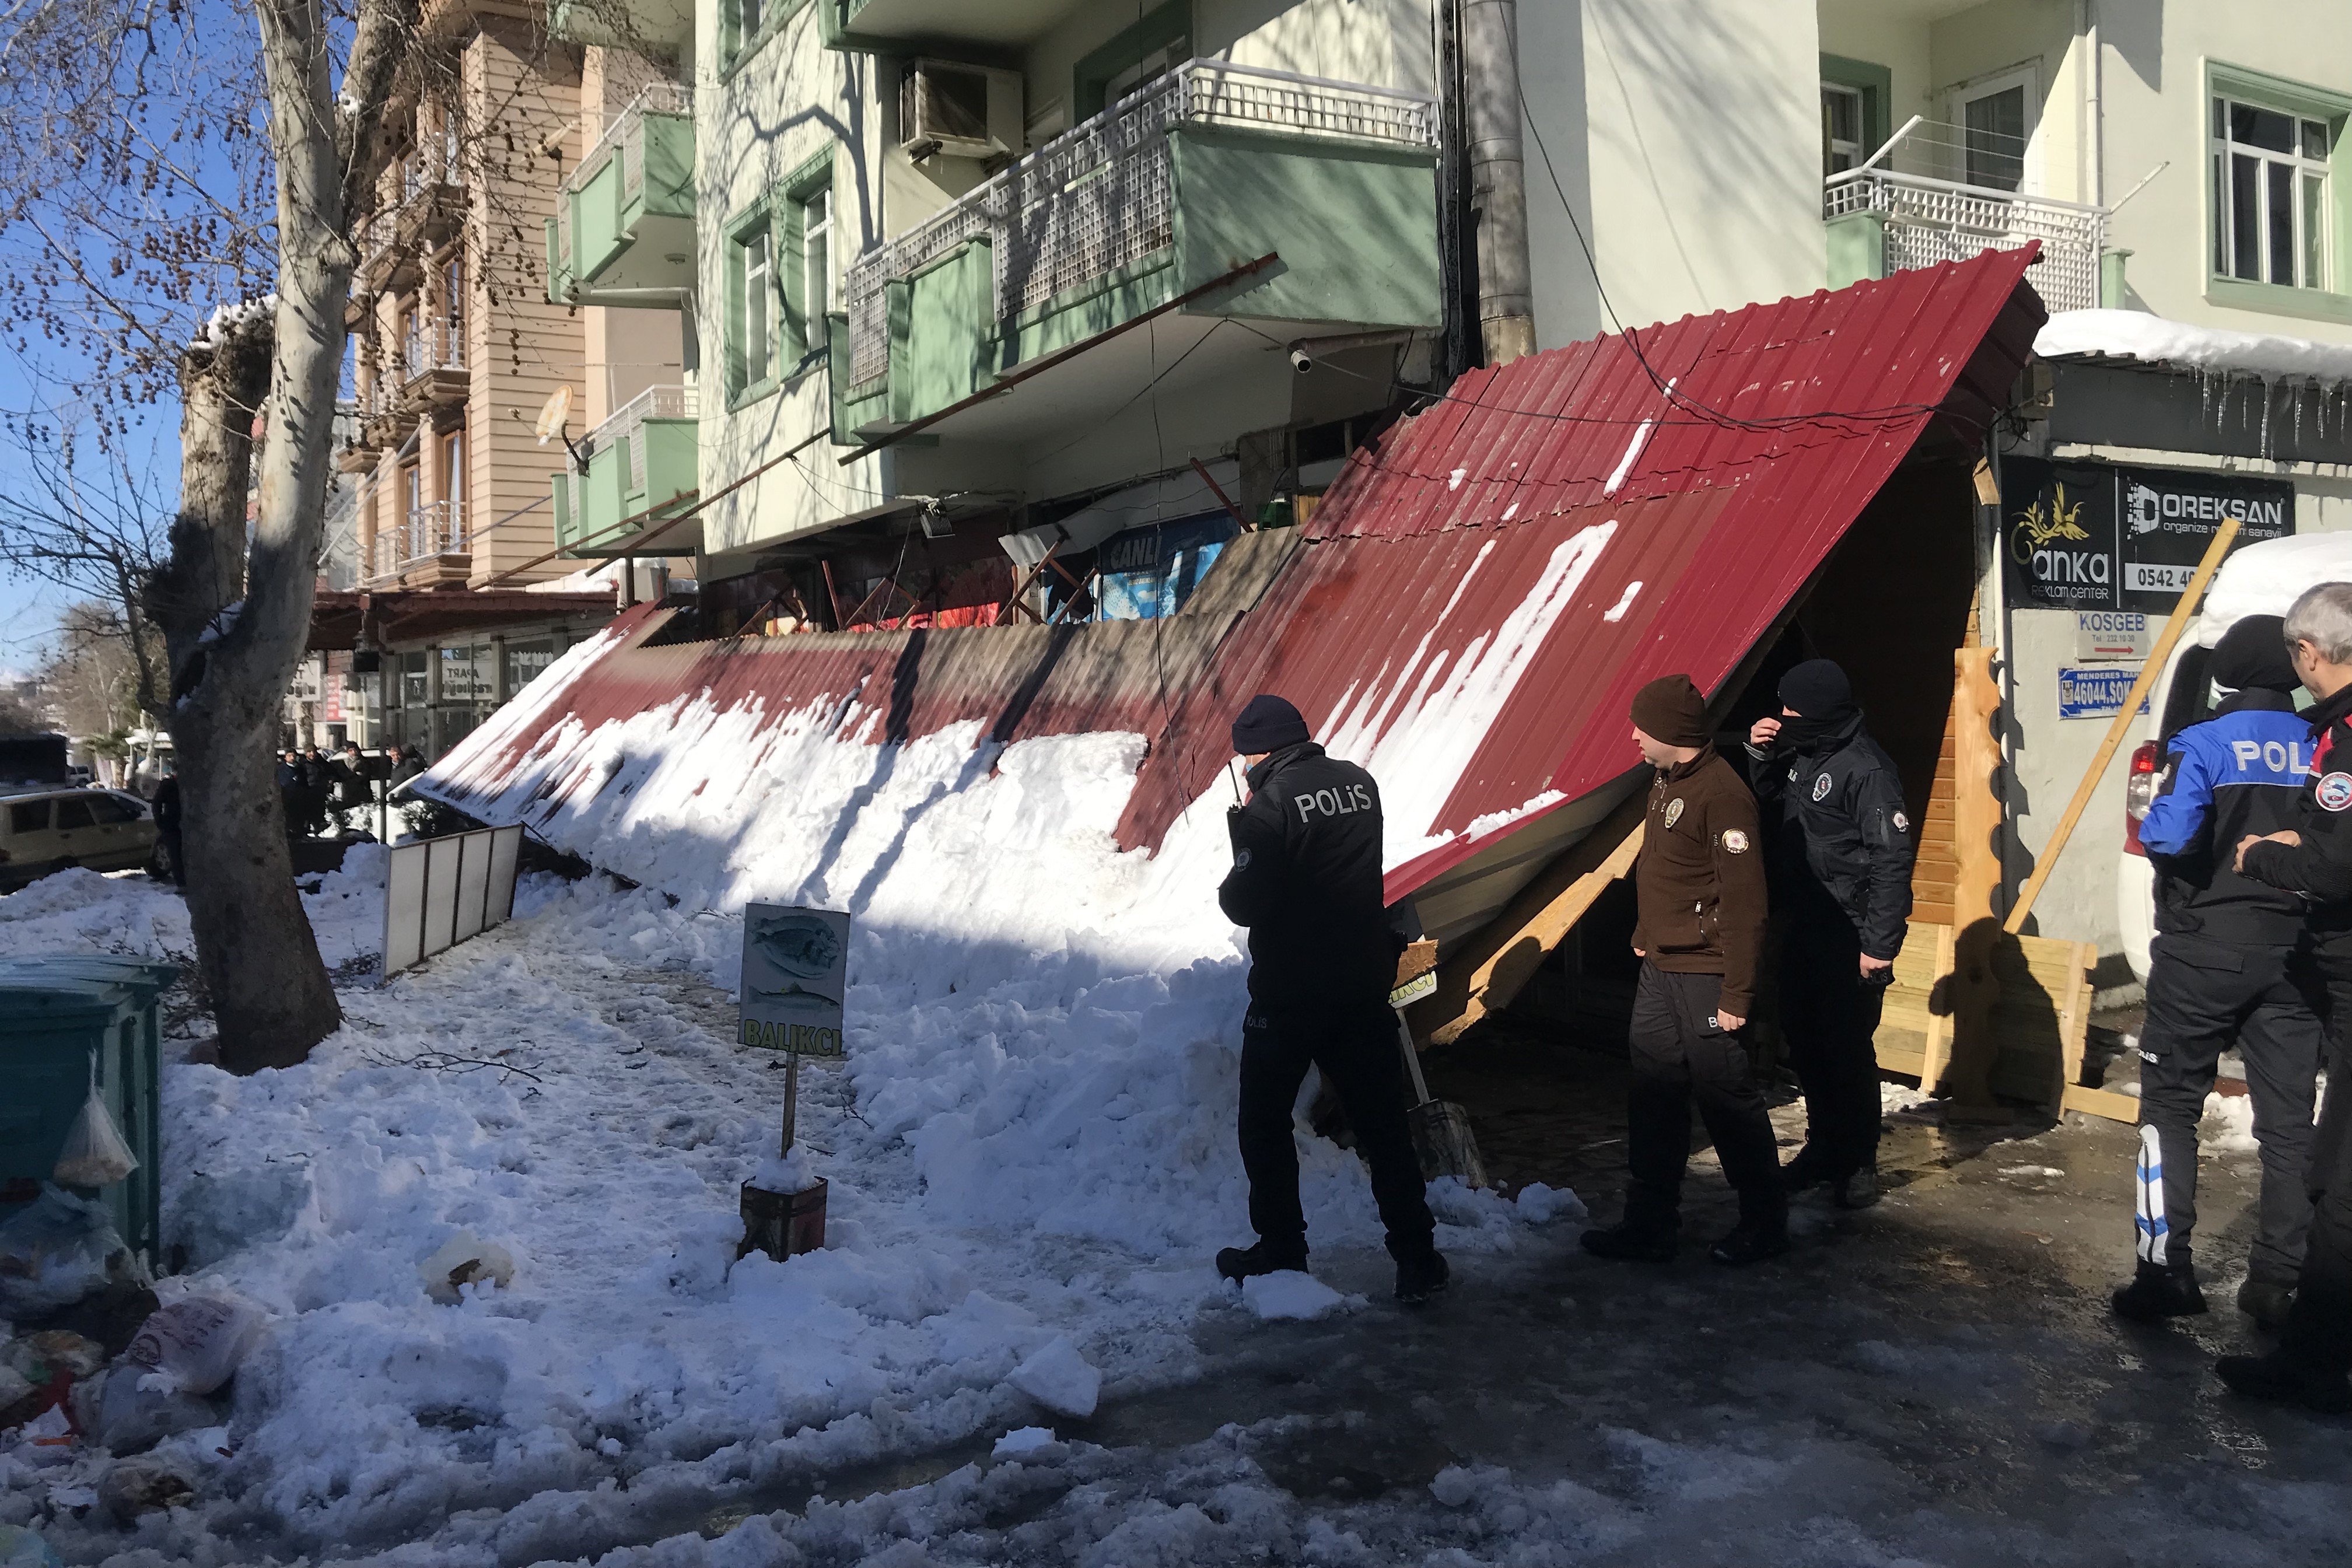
(795, 972)
(2091, 536)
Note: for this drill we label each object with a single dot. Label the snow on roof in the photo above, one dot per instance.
(2136, 335)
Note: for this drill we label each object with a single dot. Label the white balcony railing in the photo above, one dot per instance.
(1099, 196)
(1942, 191)
(432, 533)
(433, 344)
(627, 423)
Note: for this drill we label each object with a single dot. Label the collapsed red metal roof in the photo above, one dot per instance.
(1468, 614)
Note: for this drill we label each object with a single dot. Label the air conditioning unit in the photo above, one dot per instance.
(952, 109)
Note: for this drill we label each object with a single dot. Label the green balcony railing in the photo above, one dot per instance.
(643, 464)
(623, 232)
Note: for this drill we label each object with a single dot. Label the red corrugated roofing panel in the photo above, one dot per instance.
(1474, 605)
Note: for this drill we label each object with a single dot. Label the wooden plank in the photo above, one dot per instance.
(1493, 966)
(2104, 1102)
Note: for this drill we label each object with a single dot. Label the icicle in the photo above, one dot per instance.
(2269, 395)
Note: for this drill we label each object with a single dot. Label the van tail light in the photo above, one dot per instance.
(2139, 791)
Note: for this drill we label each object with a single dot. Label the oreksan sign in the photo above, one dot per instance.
(2090, 536)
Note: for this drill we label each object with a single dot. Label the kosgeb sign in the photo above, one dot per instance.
(795, 969)
(2088, 536)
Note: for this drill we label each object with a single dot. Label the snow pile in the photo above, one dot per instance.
(2136, 335)
(1060, 1379)
(1292, 1294)
(126, 914)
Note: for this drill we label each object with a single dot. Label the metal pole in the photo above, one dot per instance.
(1498, 193)
(791, 1098)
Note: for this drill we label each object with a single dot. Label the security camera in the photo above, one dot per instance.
(1299, 362)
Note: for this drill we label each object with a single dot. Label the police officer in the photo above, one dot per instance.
(2228, 965)
(1839, 851)
(1698, 886)
(2312, 1363)
(1306, 881)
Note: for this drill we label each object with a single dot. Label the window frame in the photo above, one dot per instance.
(1876, 85)
(1155, 30)
(2031, 167)
(756, 225)
(805, 333)
(736, 45)
(2300, 101)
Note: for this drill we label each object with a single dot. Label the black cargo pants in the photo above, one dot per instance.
(1682, 1054)
(2202, 997)
(2319, 1329)
(1829, 1015)
(1356, 1047)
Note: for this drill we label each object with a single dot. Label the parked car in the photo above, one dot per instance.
(45, 830)
(2259, 579)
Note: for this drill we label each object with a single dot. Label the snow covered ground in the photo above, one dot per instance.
(1031, 1143)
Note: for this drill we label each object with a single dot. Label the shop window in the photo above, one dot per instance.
(1148, 573)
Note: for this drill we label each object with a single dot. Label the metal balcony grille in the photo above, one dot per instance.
(627, 425)
(1940, 190)
(434, 345)
(1100, 197)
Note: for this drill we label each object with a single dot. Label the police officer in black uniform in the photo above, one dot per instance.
(1306, 881)
(2312, 1363)
(1838, 849)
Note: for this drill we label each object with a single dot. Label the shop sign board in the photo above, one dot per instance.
(2096, 691)
(2102, 634)
(795, 973)
(2095, 536)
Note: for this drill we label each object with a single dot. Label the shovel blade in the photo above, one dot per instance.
(1443, 1141)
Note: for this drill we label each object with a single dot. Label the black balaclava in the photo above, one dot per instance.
(1823, 700)
(2253, 653)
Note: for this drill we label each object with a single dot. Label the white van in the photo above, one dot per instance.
(2261, 580)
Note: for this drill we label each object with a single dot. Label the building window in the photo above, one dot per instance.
(2273, 206)
(751, 307)
(1842, 113)
(740, 20)
(816, 239)
(805, 202)
(453, 485)
(1993, 134)
(453, 302)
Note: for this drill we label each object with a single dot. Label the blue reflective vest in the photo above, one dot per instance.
(2241, 771)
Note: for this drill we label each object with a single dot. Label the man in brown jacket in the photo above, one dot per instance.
(1698, 888)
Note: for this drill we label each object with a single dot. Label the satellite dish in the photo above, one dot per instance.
(553, 416)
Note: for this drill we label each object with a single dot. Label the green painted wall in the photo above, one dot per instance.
(669, 166)
(597, 236)
(940, 346)
(1356, 227)
(587, 507)
(1857, 248)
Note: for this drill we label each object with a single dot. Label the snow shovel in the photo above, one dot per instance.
(1442, 1138)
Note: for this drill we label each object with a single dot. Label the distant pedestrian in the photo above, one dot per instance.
(351, 772)
(410, 764)
(1306, 881)
(291, 795)
(1698, 887)
(2230, 967)
(166, 807)
(2312, 1363)
(1838, 854)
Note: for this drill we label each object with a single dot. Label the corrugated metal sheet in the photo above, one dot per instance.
(1464, 604)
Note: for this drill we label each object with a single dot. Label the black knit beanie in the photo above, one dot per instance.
(1817, 689)
(1267, 725)
(2253, 653)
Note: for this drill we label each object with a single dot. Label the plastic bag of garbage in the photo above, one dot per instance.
(132, 1418)
(462, 1262)
(54, 1253)
(95, 1154)
(197, 1341)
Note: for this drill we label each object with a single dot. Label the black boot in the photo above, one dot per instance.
(2267, 1302)
(1638, 1237)
(1761, 1233)
(1803, 1172)
(2160, 1290)
(1240, 1263)
(1859, 1191)
(2285, 1379)
(1419, 1278)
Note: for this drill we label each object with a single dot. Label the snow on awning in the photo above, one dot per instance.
(2210, 351)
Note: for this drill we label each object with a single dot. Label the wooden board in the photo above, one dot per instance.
(2041, 1019)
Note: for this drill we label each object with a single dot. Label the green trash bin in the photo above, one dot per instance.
(66, 1023)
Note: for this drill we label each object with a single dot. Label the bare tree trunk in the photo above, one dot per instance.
(272, 999)
(236, 607)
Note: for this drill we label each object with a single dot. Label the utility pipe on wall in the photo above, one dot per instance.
(1498, 191)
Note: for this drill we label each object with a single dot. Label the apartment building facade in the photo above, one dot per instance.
(455, 347)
